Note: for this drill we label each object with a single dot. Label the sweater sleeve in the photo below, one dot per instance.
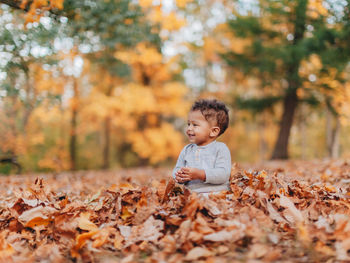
(180, 161)
(222, 169)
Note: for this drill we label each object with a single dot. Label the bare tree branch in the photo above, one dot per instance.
(16, 4)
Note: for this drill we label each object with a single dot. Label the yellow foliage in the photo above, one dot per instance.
(138, 99)
(8, 141)
(157, 144)
(169, 97)
(156, 15)
(57, 4)
(145, 3)
(238, 45)
(46, 115)
(37, 139)
(316, 9)
(39, 3)
(141, 54)
(56, 159)
(44, 81)
(211, 49)
(128, 21)
(38, 8)
(172, 22)
(312, 65)
(183, 3)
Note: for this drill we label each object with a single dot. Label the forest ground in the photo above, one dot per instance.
(282, 211)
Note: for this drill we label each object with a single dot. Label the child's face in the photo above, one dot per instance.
(199, 130)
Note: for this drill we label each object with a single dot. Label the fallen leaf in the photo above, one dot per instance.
(85, 224)
(197, 253)
(37, 216)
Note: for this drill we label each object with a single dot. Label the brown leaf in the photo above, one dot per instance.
(169, 187)
(292, 214)
(80, 241)
(225, 235)
(257, 251)
(85, 224)
(149, 231)
(6, 250)
(37, 216)
(197, 253)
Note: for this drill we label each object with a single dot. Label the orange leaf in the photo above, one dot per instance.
(84, 222)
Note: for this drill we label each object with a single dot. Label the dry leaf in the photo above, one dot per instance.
(37, 216)
(197, 253)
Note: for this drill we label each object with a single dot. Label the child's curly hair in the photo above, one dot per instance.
(213, 110)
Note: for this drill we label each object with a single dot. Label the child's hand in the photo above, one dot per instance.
(180, 177)
(186, 174)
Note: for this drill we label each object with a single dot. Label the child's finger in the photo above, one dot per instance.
(182, 178)
(185, 169)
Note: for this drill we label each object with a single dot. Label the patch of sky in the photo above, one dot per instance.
(38, 51)
(6, 17)
(337, 7)
(85, 48)
(310, 28)
(23, 37)
(24, 52)
(290, 37)
(72, 68)
(218, 15)
(3, 76)
(194, 78)
(218, 72)
(167, 5)
(5, 57)
(244, 7)
(67, 94)
(46, 22)
(22, 93)
(312, 77)
(9, 26)
(63, 20)
(63, 44)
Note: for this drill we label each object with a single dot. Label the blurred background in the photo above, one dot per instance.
(104, 84)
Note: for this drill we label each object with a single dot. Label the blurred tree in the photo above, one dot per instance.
(20, 95)
(269, 42)
(156, 96)
(94, 30)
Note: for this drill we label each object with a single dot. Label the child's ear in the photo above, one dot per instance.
(214, 131)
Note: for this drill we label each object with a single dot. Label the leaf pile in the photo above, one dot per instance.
(298, 213)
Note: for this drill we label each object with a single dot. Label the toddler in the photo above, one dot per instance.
(204, 165)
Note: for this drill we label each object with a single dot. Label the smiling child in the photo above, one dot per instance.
(204, 165)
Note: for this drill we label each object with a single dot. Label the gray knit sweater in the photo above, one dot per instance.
(214, 159)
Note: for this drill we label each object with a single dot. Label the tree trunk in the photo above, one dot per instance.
(332, 134)
(302, 128)
(262, 141)
(289, 106)
(73, 128)
(291, 98)
(30, 99)
(107, 134)
(107, 138)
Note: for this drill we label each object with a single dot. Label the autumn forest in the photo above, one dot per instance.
(94, 99)
(90, 85)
